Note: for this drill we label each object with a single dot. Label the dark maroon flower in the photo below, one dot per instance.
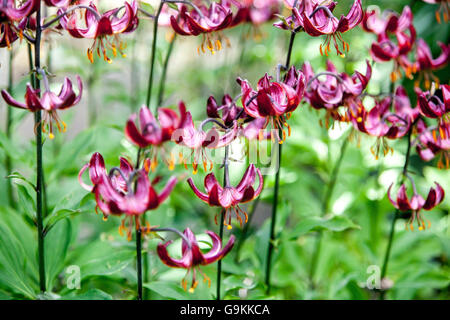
(229, 197)
(10, 13)
(228, 111)
(395, 39)
(426, 64)
(416, 203)
(203, 20)
(123, 190)
(383, 123)
(432, 106)
(317, 20)
(192, 257)
(103, 27)
(155, 132)
(335, 90)
(274, 101)
(49, 102)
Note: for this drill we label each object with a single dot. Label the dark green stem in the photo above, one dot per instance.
(277, 186)
(394, 219)
(153, 55)
(226, 183)
(9, 123)
(139, 262)
(325, 207)
(39, 169)
(219, 263)
(162, 85)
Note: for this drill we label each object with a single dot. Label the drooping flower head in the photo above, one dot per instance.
(192, 257)
(274, 100)
(316, 18)
(103, 28)
(155, 132)
(431, 105)
(382, 122)
(426, 64)
(203, 20)
(395, 39)
(416, 203)
(228, 197)
(198, 141)
(49, 103)
(10, 13)
(123, 191)
(334, 90)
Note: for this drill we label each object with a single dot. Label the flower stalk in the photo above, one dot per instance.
(226, 183)
(139, 261)
(153, 55)
(394, 219)
(277, 186)
(9, 123)
(39, 168)
(162, 85)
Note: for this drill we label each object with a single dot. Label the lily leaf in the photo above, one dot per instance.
(336, 224)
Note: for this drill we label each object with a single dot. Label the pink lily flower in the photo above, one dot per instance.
(49, 103)
(416, 203)
(426, 63)
(192, 257)
(101, 27)
(434, 143)
(123, 190)
(229, 197)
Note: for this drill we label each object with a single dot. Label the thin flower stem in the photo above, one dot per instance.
(325, 207)
(9, 123)
(219, 263)
(162, 85)
(394, 219)
(39, 169)
(153, 55)
(139, 262)
(277, 186)
(226, 183)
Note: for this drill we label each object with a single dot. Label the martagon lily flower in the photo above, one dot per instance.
(101, 27)
(49, 103)
(431, 106)
(317, 19)
(198, 141)
(155, 132)
(385, 49)
(192, 257)
(204, 20)
(9, 14)
(380, 122)
(426, 63)
(416, 203)
(124, 190)
(274, 101)
(228, 197)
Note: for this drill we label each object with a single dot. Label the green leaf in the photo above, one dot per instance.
(52, 219)
(91, 294)
(336, 224)
(168, 290)
(57, 243)
(19, 176)
(13, 263)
